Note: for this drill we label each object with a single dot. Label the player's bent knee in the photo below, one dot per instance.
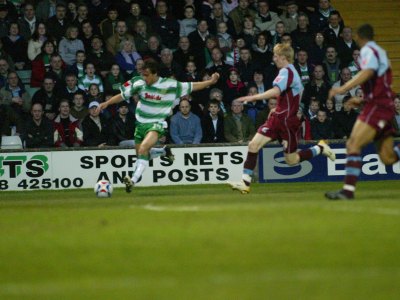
(387, 158)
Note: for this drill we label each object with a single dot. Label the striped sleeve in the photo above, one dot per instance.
(183, 89)
(131, 87)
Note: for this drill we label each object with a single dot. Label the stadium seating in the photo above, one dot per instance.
(11, 142)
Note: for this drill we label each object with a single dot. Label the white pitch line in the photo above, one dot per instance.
(377, 211)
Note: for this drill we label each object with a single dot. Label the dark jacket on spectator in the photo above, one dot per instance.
(9, 118)
(321, 130)
(38, 136)
(92, 136)
(168, 30)
(343, 122)
(49, 103)
(123, 131)
(102, 61)
(210, 134)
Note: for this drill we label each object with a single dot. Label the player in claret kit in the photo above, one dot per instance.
(282, 123)
(375, 120)
(157, 97)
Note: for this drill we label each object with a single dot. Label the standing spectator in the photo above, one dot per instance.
(66, 128)
(127, 56)
(212, 124)
(38, 130)
(189, 23)
(303, 36)
(119, 36)
(36, 41)
(321, 127)
(89, 78)
(27, 22)
(302, 66)
(344, 120)
(318, 49)
(96, 128)
(123, 126)
(345, 76)
(237, 15)
(289, 17)
(184, 54)
(166, 25)
(16, 46)
(332, 65)
(58, 24)
(14, 94)
(100, 57)
(108, 25)
(346, 46)
(78, 109)
(318, 88)
(265, 19)
(69, 45)
(238, 127)
(185, 125)
(47, 96)
(334, 30)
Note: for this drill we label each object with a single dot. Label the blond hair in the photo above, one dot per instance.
(286, 50)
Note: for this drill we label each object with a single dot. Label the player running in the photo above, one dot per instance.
(282, 123)
(157, 97)
(374, 122)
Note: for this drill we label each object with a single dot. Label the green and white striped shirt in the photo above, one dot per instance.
(85, 82)
(155, 101)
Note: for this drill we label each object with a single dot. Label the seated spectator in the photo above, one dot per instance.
(250, 31)
(191, 72)
(259, 82)
(185, 126)
(66, 128)
(344, 120)
(154, 49)
(346, 46)
(354, 65)
(237, 15)
(318, 49)
(4, 69)
(166, 26)
(27, 21)
(289, 17)
(334, 30)
(238, 127)
(114, 79)
(14, 95)
(41, 64)
(141, 36)
(265, 19)
(217, 94)
(78, 109)
(184, 54)
(47, 96)
(123, 126)
(276, 37)
(320, 17)
(332, 65)
(100, 57)
(89, 78)
(108, 25)
(16, 46)
(219, 65)
(218, 15)
(234, 87)
(168, 67)
(9, 120)
(82, 15)
(251, 108)
(86, 35)
(38, 129)
(113, 43)
(302, 66)
(303, 36)
(206, 8)
(261, 52)
(189, 23)
(127, 56)
(318, 88)
(304, 132)
(78, 67)
(71, 87)
(36, 41)
(262, 116)
(245, 66)
(212, 123)
(397, 116)
(330, 109)
(313, 109)
(94, 93)
(345, 76)
(225, 40)
(69, 45)
(96, 128)
(134, 18)
(321, 127)
(58, 24)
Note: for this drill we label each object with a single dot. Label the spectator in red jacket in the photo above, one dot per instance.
(66, 128)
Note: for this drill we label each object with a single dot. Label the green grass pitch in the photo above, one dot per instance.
(282, 241)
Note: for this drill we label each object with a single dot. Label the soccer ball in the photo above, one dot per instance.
(103, 189)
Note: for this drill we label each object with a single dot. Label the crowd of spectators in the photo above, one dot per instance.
(78, 53)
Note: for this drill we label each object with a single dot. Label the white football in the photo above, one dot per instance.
(103, 189)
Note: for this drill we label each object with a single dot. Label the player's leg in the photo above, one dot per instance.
(361, 135)
(254, 147)
(388, 153)
(307, 154)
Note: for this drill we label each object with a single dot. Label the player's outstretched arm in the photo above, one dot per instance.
(113, 100)
(203, 84)
(271, 93)
(360, 78)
